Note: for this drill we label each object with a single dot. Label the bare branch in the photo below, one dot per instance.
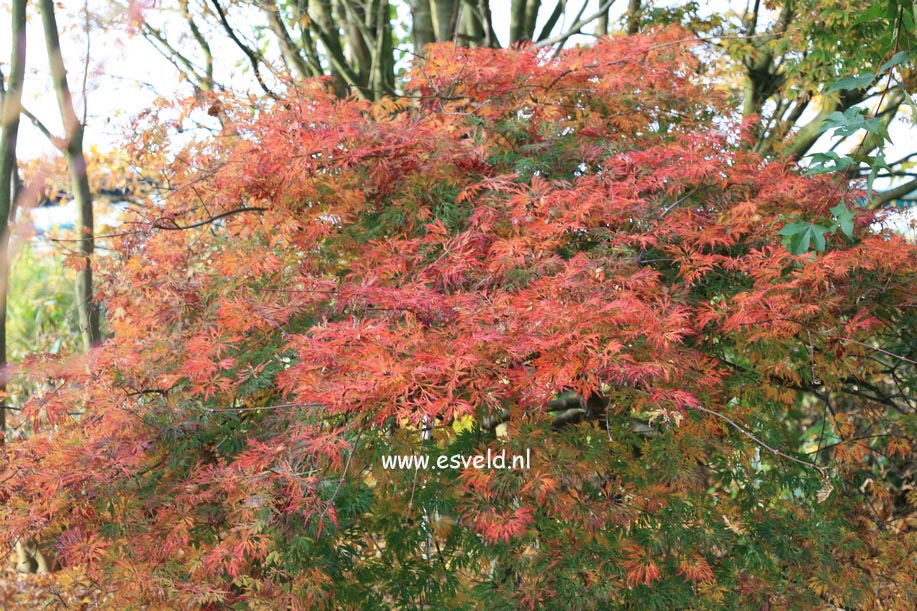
(577, 26)
(254, 58)
(822, 470)
(171, 225)
(880, 199)
(58, 143)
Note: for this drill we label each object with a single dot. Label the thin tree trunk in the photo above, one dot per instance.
(422, 29)
(633, 16)
(79, 180)
(531, 17)
(445, 18)
(473, 26)
(10, 110)
(601, 24)
(517, 21)
(29, 557)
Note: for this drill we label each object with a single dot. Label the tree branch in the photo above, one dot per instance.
(160, 223)
(207, 83)
(287, 46)
(172, 55)
(884, 197)
(254, 58)
(58, 143)
(576, 28)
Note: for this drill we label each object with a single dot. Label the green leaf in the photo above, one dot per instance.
(793, 228)
(802, 234)
(871, 14)
(820, 163)
(877, 126)
(846, 224)
(800, 242)
(818, 237)
(897, 59)
(851, 82)
(845, 123)
(844, 219)
(878, 162)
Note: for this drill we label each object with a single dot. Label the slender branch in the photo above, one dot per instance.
(822, 470)
(254, 58)
(353, 450)
(59, 143)
(158, 223)
(904, 159)
(206, 83)
(268, 318)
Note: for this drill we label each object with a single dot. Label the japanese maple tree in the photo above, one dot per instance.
(573, 257)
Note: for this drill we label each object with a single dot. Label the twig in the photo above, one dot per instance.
(176, 227)
(353, 450)
(576, 27)
(822, 470)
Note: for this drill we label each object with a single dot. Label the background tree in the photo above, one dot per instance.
(780, 60)
(803, 63)
(10, 105)
(355, 42)
(79, 180)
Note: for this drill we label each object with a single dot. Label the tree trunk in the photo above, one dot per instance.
(517, 21)
(422, 31)
(633, 16)
(10, 109)
(473, 28)
(601, 24)
(445, 18)
(79, 181)
(29, 557)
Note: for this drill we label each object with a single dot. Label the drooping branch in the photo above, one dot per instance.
(822, 470)
(171, 225)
